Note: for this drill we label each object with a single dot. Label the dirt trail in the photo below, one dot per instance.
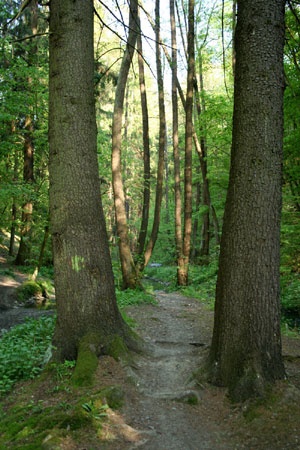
(170, 409)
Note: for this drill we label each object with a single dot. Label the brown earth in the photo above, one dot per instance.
(165, 407)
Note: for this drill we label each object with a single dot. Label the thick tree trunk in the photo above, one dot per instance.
(84, 286)
(129, 271)
(246, 345)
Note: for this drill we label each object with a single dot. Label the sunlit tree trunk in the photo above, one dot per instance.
(200, 108)
(246, 348)
(162, 139)
(129, 271)
(176, 154)
(184, 261)
(146, 156)
(85, 295)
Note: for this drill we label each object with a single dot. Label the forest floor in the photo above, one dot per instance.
(164, 407)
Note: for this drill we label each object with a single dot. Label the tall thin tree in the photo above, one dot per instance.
(189, 129)
(176, 155)
(162, 139)
(146, 154)
(129, 271)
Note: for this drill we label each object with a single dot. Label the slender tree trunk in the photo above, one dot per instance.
(146, 156)
(28, 174)
(129, 271)
(204, 248)
(42, 252)
(167, 187)
(196, 244)
(234, 12)
(27, 209)
(246, 347)
(184, 262)
(85, 295)
(162, 140)
(14, 208)
(176, 155)
(195, 137)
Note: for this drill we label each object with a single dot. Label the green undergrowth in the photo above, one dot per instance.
(51, 412)
(23, 350)
(134, 297)
(202, 281)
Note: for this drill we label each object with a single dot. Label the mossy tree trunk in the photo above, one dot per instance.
(246, 346)
(85, 293)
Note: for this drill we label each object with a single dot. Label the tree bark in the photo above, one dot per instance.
(146, 156)
(84, 285)
(162, 139)
(27, 209)
(28, 169)
(176, 154)
(182, 274)
(246, 347)
(129, 272)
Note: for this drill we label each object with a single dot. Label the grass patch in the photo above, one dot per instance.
(202, 281)
(133, 297)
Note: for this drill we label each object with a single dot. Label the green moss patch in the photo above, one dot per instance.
(117, 348)
(63, 416)
(87, 360)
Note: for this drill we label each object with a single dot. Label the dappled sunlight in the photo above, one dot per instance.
(117, 428)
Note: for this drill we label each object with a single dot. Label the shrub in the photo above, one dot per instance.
(29, 289)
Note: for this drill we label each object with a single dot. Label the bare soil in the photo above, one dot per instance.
(165, 407)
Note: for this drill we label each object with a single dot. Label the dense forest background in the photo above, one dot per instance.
(24, 182)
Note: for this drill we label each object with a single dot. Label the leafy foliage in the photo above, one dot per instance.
(29, 289)
(22, 351)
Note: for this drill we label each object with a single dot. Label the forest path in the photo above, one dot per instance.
(169, 409)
